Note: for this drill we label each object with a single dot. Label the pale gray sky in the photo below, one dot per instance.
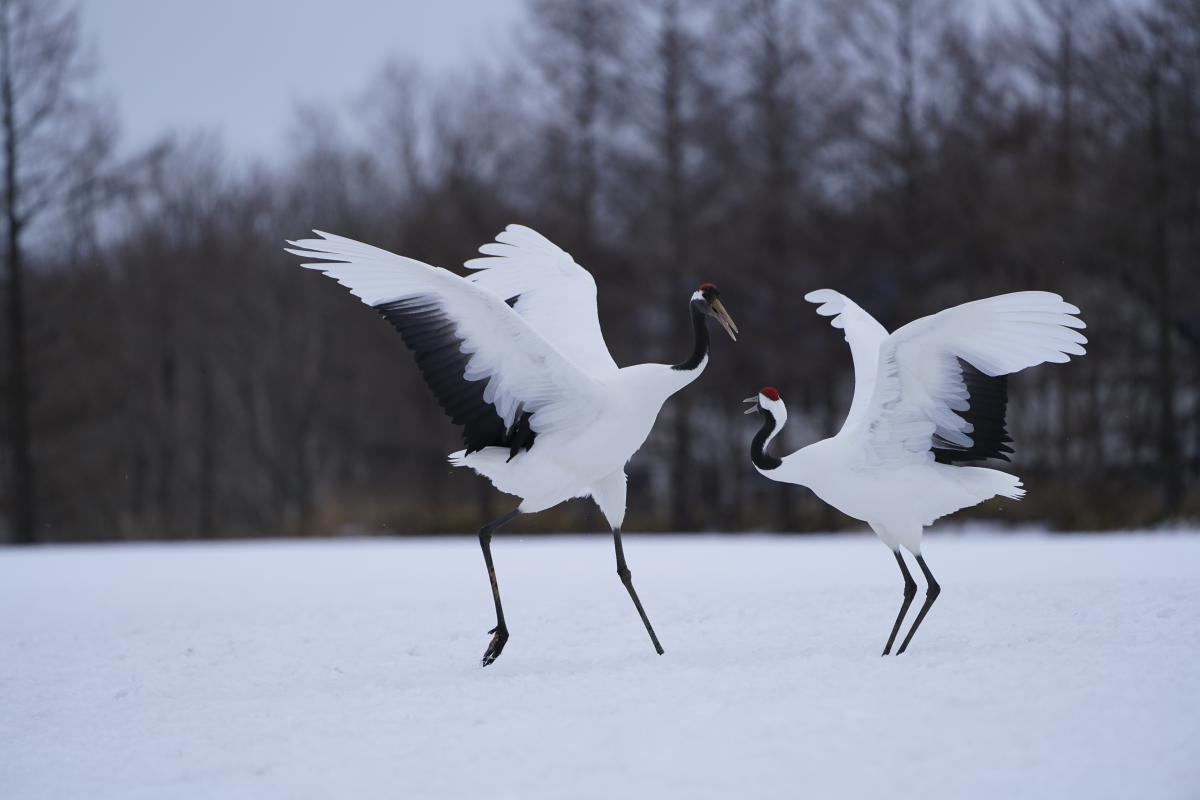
(239, 67)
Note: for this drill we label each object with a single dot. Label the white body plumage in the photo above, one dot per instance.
(897, 503)
(586, 460)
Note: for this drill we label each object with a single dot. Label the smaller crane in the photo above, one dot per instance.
(928, 396)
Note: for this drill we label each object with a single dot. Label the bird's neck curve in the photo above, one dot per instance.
(699, 357)
(758, 447)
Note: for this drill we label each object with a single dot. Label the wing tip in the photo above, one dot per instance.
(828, 301)
(514, 241)
(299, 249)
(308, 245)
(821, 295)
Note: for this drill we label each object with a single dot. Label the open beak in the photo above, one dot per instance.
(753, 407)
(723, 317)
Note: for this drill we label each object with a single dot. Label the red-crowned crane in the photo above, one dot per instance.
(514, 354)
(926, 397)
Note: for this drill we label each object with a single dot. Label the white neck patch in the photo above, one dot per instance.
(776, 408)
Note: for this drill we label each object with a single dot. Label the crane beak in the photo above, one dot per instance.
(718, 311)
(754, 401)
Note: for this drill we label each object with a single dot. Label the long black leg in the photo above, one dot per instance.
(500, 632)
(931, 594)
(910, 591)
(627, 579)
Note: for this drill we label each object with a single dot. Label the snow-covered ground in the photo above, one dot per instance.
(1051, 667)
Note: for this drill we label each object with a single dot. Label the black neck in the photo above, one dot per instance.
(700, 331)
(761, 458)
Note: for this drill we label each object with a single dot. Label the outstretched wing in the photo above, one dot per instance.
(549, 290)
(864, 335)
(490, 370)
(924, 395)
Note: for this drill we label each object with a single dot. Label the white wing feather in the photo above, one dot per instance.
(918, 383)
(524, 372)
(555, 295)
(864, 336)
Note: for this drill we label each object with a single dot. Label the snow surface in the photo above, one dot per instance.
(1051, 667)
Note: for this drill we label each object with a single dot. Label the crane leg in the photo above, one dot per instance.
(910, 591)
(931, 593)
(627, 579)
(500, 632)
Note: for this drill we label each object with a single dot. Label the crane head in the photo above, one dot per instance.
(709, 300)
(769, 402)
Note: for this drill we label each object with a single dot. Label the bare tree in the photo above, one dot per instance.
(49, 131)
(1147, 92)
(672, 51)
(578, 49)
(1156, 65)
(893, 43)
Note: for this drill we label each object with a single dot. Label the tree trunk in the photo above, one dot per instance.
(206, 485)
(671, 53)
(907, 124)
(585, 120)
(24, 518)
(778, 182)
(1169, 460)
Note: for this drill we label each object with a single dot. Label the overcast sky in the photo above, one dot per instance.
(240, 67)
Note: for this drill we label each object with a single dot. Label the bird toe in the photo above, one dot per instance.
(495, 647)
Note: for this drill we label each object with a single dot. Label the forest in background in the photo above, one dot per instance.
(169, 372)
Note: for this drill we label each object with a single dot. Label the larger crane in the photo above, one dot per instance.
(514, 354)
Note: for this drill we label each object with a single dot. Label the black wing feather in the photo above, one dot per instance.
(988, 399)
(429, 333)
